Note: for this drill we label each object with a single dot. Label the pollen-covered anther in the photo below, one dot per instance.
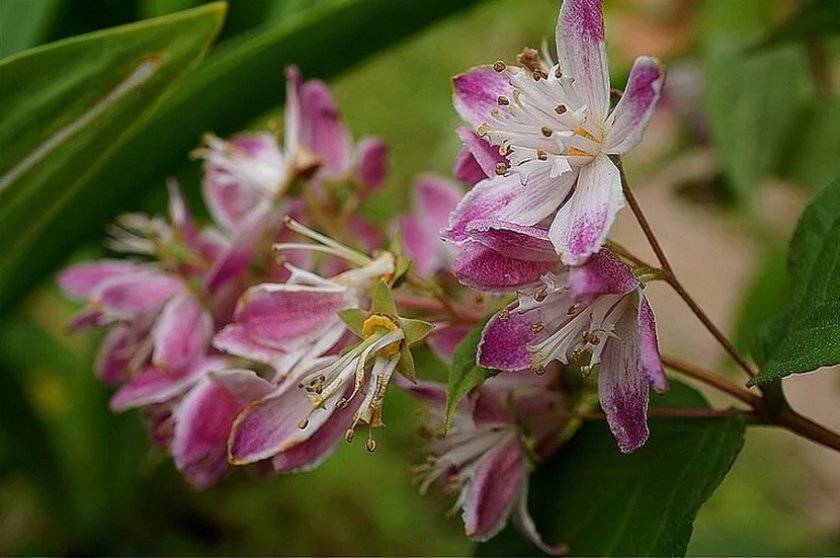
(540, 294)
(499, 66)
(542, 155)
(303, 424)
(501, 169)
(370, 445)
(349, 434)
(591, 338)
(504, 150)
(530, 58)
(538, 75)
(573, 309)
(560, 109)
(379, 322)
(502, 100)
(558, 74)
(536, 328)
(546, 131)
(504, 315)
(585, 370)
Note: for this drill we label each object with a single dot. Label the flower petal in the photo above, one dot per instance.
(277, 314)
(482, 268)
(649, 347)
(233, 339)
(476, 93)
(494, 490)
(486, 155)
(602, 273)
(321, 128)
(445, 338)
(434, 198)
(128, 296)
(504, 341)
(630, 117)
(514, 241)
(152, 385)
(582, 54)
(371, 163)
(581, 226)
(623, 385)
(181, 333)
(419, 247)
(81, 280)
(118, 349)
(467, 169)
(488, 200)
(526, 527)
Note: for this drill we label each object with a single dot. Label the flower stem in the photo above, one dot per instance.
(715, 380)
(671, 278)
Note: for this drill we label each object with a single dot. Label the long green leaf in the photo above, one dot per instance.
(464, 373)
(818, 18)
(603, 503)
(66, 107)
(240, 81)
(806, 335)
(23, 24)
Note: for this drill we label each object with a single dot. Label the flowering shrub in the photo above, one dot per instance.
(271, 332)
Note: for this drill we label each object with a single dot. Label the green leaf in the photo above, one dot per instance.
(464, 374)
(23, 24)
(767, 291)
(806, 335)
(811, 152)
(817, 18)
(751, 100)
(67, 105)
(240, 81)
(601, 502)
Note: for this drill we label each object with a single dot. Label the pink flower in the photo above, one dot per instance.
(553, 125)
(595, 315)
(485, 456)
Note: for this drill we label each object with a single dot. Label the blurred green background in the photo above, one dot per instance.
(741, 141)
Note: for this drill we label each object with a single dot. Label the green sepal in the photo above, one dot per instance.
(353, 318)
(381, 300)
(406, 363)
(414, 330)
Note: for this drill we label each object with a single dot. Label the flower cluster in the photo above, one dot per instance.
(273, 334)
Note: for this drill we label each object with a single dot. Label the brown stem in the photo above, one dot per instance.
(672, 280)
(715, 380)
(805, 427)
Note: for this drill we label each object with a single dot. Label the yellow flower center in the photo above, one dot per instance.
(376, 323)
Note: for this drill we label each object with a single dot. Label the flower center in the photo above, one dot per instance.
(378, 323)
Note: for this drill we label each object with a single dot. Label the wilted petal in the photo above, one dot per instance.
(495, 487)
(628, 121)
(602, 273)
(321, 129)
(485, 269)
(581, 226)
(371, 163)
(277, 314)
(582, 54)
(486, 155)
(152, 385)
(445, 338)
(649, 347)
(419, 247)
(128, 296)
(80, 280)
(467, 169)
(476, 92)
(504, 341)
(181, 333)
(623, 384)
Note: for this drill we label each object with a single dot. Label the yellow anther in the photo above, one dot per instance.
(376, 322)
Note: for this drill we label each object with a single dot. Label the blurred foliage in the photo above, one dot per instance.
(76, 480)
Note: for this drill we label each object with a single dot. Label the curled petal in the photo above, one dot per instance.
(182, 333)
(504, 341)
(581, 226)
(526, 527)
(321, 129)
(467, 169)
(495, 488)
(476, 93)
(649, 347)
(485, 154)
(603, 273)
(152, 385)
(485, 269)
(514, 241)
(582, 53)
(628, 121)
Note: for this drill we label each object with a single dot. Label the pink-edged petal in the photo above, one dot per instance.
(235, 259)
(445, 338)
(628, 121)
(515, 241)
(494, 490)
(242, 384)
(482, 268)
(371, 164)
(181, 333)
(649, 347)
(488, 200)
(541, 195)
(582, 54)
(273, 424)
(152, 385)
(524, 524)
(602, 273)
(623, 385)
(81, 280)
(234, 339)
(476, 92)
(128, 296)
(467, 169)
(485, 154)
(277, 314)
(581, 226)
(504, 341)
(116, 352)
(434, 198)
(321, 129)
(420, 249)
(308, 454)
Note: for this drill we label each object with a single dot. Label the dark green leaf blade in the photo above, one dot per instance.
(241, 81)
(603, 503)
(806, 335)
(23, 24)
(464, 374)
(66, 106)
(817, 18)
